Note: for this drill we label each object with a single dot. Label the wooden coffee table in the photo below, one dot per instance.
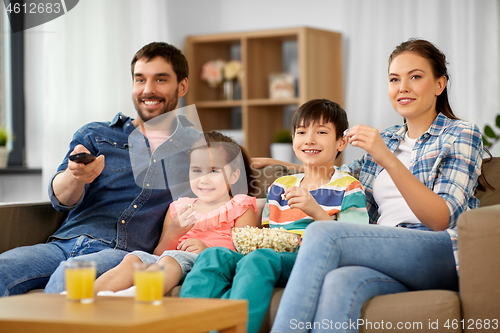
(51, 313)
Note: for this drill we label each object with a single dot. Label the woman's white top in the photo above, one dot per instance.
(392, 207)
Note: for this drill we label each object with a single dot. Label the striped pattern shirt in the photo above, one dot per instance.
(446, 158)
(342, 198)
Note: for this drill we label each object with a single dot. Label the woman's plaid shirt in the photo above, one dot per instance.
(446, 158)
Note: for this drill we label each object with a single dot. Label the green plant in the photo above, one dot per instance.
(490, 133)
(3, 137)
(283, 136)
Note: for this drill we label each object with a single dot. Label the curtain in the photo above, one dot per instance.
(78, 71)
(467, 31)
(77, 66)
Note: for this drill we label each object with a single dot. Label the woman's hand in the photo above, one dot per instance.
(302, 199)
(192, 245)
(369, 139)
(428, 207)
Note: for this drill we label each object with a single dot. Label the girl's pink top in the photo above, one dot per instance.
(214, 228)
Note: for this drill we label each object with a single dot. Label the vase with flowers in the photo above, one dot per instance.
(211, 72)
(215, 72)
(232, 72)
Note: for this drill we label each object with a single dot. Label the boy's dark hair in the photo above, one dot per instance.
(323, 110)
(170, 53)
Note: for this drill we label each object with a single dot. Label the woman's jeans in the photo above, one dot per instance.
(30, 267)
(340, 266)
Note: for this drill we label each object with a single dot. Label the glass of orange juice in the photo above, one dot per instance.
(148, 280)
(80, 277)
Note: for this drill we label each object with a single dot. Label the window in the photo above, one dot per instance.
(12, 86)
(4, 38)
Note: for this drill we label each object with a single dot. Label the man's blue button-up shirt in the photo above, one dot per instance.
(114, 208)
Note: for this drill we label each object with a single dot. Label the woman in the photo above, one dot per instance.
(418, 177)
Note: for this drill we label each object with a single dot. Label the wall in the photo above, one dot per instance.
(466, 31)
(77, 66)
(78, 70)
(21, 188)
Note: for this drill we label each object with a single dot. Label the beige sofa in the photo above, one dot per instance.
(474, 308)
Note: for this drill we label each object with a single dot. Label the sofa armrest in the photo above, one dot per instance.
(479, 259)
(27, 224)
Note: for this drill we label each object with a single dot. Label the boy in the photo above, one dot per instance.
(293, 202)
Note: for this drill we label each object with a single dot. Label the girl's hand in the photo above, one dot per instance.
(302, 199)
(192, 245)
(369, 139)
(182, 221)
(173, 229)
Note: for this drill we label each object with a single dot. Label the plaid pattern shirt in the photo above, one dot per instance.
(446, 158)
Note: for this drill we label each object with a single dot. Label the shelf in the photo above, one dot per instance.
(312, 56)
(250, 102)
(267, 101)
(218, 104)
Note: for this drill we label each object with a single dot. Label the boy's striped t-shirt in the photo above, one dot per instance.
(342, 198)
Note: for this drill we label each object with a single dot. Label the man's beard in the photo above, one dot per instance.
(170, 105)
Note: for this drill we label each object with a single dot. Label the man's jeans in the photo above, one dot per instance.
(30, 267)
(342, 265)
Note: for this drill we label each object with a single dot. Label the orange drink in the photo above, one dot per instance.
(148, 280)
(80, 276)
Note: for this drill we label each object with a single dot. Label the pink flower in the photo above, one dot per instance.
(212, 72)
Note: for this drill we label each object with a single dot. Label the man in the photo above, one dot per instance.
(111, 214)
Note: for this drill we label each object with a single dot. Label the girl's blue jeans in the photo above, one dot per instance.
(340, 266)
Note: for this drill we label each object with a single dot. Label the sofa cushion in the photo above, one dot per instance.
(488, 189)
(267, 323)
(174, 292)
(264, 177)
(27, 223)
(432, 307)
(416, 311)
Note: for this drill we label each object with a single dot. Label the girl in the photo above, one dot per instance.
(219, 175)
(418, 177)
